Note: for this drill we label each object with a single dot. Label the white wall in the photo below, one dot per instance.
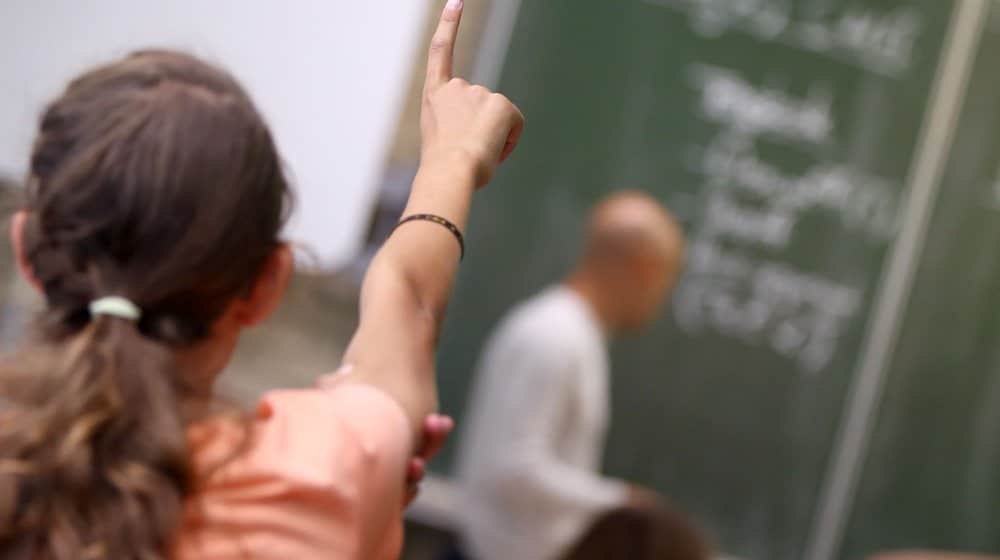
(329, 76)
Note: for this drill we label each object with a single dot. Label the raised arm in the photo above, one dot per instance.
(466, 132)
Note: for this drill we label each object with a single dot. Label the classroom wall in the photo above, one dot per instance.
(330, 77)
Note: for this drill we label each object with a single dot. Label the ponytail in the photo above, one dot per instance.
(93, 457)
(152, 177)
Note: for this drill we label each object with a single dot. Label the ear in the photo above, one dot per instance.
(17, 225)
(641, 267)
(268, 289)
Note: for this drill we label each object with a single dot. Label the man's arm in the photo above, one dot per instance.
(543, 379)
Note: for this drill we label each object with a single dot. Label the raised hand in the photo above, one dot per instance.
(466, 132)
(461, 119)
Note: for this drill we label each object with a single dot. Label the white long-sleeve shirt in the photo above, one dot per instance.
(534, 433)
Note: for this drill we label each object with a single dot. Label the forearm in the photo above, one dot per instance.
(406, 290)
(562, 487)
(466, 131)
(425, 255)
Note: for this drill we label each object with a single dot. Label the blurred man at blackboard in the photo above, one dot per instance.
(535, 432)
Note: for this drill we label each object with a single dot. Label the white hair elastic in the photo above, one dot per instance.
(115, 306)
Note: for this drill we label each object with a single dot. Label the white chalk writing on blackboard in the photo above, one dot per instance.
(882, 42)
(730, 100)
(739, 282)
(764, 226)
(863, 202)
(799, 315)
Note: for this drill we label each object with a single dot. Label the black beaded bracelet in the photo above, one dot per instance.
(439, 221)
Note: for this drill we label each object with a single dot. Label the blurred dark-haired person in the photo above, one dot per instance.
(654, 532)
(930, 555)
(535, 432)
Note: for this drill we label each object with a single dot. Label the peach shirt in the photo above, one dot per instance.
(321, 476)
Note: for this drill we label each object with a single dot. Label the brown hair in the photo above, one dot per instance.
(648, 533)
(152, 178)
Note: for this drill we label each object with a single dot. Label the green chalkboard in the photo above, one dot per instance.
(932, 479)
(781, 132)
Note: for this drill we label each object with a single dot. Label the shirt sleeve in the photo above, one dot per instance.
(549, 488)
(319, 474)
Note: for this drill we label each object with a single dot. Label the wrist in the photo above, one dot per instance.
(444, 186)
(451, 165)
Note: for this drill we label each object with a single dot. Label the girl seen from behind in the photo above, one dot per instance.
(152, 228)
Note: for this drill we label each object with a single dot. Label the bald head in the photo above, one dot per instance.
(633, 255)
(632, 223)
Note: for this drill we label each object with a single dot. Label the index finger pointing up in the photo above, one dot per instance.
(442, 51)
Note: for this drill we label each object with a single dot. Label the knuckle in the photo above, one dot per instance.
(439, 44)
(500, 99)
(501, 103)
(481, 92)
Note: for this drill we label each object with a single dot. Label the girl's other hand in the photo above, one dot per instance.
(437, 428)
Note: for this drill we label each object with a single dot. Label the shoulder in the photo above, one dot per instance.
(542, 336)
(306, 431)
(549, 319)
(326, 462)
